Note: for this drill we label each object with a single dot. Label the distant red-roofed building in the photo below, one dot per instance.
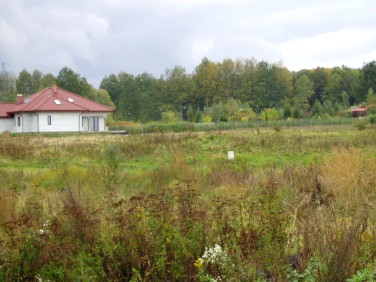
(53, 110)
(359, 112)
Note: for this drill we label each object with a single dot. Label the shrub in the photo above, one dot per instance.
(277, 127)
(269, 114)
(220, 112)
(112, 158)
(168, 117)
(361, 124)
(363, 276)
(310, 274)
(6, 134)
(297, 113)
(372, 119)
(207, 118)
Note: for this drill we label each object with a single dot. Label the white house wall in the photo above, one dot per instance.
(6, 124)
(60, 121)
(18, 126)
(30, 122)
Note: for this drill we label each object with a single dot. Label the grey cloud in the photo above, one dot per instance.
(97, 38)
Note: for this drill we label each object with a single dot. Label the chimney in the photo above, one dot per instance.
(54, 88)
(19, 99)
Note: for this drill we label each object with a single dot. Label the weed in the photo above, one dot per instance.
(277, 127)
(361, 124)
(69, 212)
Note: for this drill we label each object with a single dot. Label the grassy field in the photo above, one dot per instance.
(294, 205)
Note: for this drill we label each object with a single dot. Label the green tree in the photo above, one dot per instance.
(190, 114)
(47, 80)
(146, 88)
(128, 105)
(35, 80)
(272, 83)
(287, 111)
(368, 80)
(111, 85)
(73, 82)
(371, 98)
(260, 86)
(371, 101)
(333, 89)
(303, 92)
(102, 96)
(345, 99)
(24, 84)
(327, 108)
(226, 80)
(317, 109)
(239, 87)
(69, 80)
(205, 78)
(285, 87)
(319, 78)
(247, 79)
(177, 87)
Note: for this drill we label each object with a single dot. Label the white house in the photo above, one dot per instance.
(53, 110)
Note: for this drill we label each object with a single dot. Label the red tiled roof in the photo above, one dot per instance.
(54, 99)
(4, 109)
(360, 109)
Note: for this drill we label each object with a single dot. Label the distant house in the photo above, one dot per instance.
(53, 110)
(359, 112)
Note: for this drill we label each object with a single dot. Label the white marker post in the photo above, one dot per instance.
(231, 155)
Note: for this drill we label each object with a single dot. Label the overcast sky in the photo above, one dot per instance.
(98, 37)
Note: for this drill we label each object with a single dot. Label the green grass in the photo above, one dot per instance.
(147, 206)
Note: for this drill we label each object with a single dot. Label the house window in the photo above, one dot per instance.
(18, 121)
(49, 120)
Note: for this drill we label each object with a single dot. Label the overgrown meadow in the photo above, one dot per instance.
(294, 205)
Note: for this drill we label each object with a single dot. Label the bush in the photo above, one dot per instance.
(372, 119)
(207, 118)
(6, 134)
(277, 127)
(168, 117)
(269, 114)
(361, 124)
(363, 276)
(297, 113)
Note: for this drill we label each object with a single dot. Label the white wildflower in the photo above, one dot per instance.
(215, 255)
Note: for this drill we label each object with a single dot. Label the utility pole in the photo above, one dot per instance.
(7, 80)
(2, 78)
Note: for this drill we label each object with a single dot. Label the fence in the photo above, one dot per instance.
(217, 126)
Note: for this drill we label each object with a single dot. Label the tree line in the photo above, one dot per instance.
(226, 90)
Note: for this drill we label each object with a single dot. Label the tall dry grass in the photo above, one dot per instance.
(351, 176)
(90, 215)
